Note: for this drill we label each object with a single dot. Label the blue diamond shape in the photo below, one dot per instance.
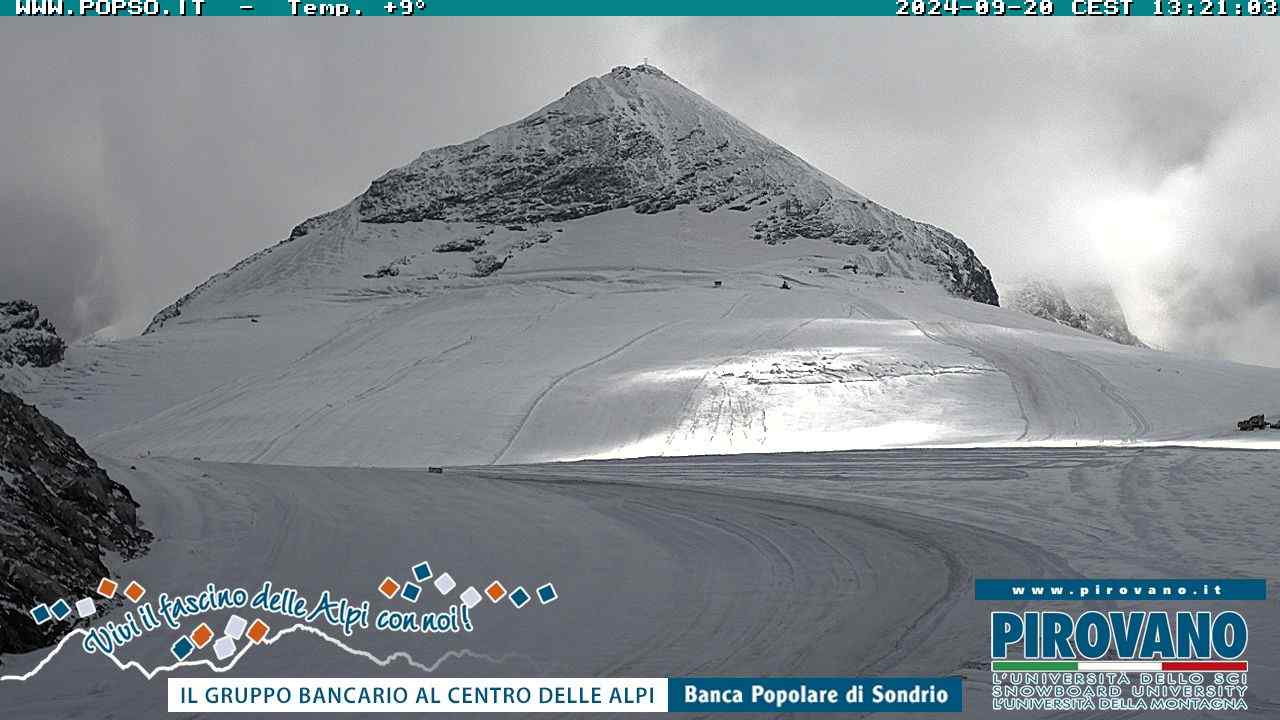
(40, 614)
(547, 593)
(422, 572)
(60, 609)
(519, 597)
(182, 648)
(410, 592)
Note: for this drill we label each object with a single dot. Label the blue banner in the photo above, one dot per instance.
(815, 694)
(1131, 590)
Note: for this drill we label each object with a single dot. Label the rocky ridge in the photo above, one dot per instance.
(26, 339)
(59, 513)
(635, 138)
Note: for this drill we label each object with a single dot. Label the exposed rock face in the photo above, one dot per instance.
(26, 338)
(1093, 308)
(636, 138)
(486, 264)
(460, 245)
(58, 513)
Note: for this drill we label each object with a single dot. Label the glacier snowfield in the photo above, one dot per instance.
(581, 348)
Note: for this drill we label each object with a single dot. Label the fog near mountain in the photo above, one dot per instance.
(1092, 308)
(124, 189)
(1068, 148)
(1135, 153)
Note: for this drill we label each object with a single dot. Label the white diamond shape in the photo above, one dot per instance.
(85, 607)
(445, 583)
(224, 648)
(235, 627)
(470, 597)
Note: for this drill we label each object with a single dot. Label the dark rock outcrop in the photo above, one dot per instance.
(466, 244)
(26, 338)
(486, 264)
(59, 512)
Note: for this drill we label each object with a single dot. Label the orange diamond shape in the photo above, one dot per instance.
(135, 591)
(495, 591)
(258, 630)
(201, 635)
(388, 588)
(107, 587)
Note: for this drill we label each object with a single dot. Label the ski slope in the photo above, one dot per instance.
(582, 348)
(731, 565)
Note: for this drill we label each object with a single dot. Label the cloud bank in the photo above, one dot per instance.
(1138, 152)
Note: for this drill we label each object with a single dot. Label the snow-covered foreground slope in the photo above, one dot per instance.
(580, 348)
(816, 564)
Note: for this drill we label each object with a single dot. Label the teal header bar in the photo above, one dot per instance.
(45, 9)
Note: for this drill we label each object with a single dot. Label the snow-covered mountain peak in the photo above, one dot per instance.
(635, 138)
(630, 138)
(630, 142)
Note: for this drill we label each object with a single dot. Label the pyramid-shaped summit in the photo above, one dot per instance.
(631, 139)
(635, 138)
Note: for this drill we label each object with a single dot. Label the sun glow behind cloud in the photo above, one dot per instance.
(1138, 234)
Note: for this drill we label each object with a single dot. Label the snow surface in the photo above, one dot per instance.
(610, 340)
(814, 564)
(316, 371)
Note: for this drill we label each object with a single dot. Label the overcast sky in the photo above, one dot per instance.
(137, 159)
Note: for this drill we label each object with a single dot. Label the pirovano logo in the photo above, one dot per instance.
(1120, 660)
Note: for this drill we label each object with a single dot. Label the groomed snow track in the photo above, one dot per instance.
(821, 564)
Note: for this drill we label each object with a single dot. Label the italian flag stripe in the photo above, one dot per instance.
(1120, 665)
